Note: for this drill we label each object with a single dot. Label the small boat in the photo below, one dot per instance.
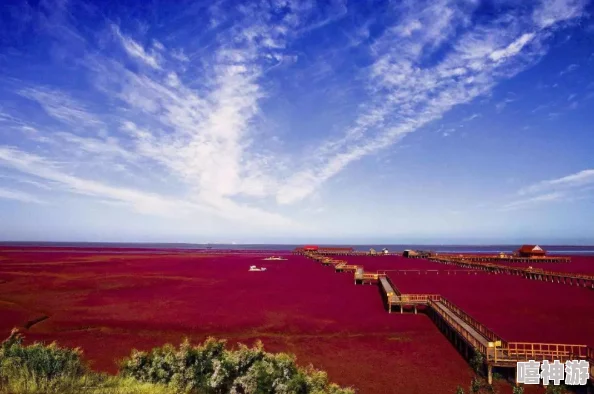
(273, 258)
(253, 268)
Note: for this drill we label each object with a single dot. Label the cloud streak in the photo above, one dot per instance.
(17, 195)
(566, 188)
(527, 202)
(181, 122)
(569, 182)
(407, 91)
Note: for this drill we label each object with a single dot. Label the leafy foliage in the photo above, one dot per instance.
(477, 361)
(38, 367)
(210, 368)
(518, 390)
(556, 389)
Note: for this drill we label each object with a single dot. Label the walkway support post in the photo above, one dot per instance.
(489, 374)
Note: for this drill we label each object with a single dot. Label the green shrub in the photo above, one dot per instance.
(38, 367)
(475, 385)
(518, 390)
(211, 368)
(208, 368)
(477, 361)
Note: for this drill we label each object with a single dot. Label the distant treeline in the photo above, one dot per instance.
(208, 368)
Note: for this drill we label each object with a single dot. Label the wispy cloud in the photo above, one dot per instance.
(471, 117)
(407, 91)
(191, 115)
(201, 137)
(566, 188)
(19, 196)
(61, 106)
(569, 69)
(500, 106)
(141, 201)
(137, 51)
(573, 181)
(527, 202)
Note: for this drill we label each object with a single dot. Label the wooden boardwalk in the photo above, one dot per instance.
(465, 332)
(485, 258)
(568, 278)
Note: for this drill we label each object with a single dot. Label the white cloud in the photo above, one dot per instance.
(19, 196)
(526, 202)
(500, 106)
(471, 117)
(567, 188)
(62, 107)
(143, 202)
(512, 49)
(193, 116)
(407, 93)
(199, 136)
(555, 11)
(573, 181)
(136, 50)
(569, 69)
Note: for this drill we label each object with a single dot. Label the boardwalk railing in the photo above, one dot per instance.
(525, 351)
(396, 291)
(461, 330)
(474, 323)
(561, 352)
(418, 298)
(526, 272)
(505, 257)
(474, 333)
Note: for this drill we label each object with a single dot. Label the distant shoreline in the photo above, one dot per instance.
(441, 248)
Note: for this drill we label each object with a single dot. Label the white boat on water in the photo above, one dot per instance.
(273, 258)
(253, 268)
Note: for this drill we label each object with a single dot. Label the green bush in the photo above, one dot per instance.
(38, 367)
(208, 368)
(518, 390)
(477, 362)
(212, 369)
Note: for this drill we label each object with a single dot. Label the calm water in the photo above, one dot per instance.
(551, 249)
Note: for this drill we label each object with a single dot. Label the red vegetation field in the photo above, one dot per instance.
(109, 303)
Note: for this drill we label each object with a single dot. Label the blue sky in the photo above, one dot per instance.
(296, 121)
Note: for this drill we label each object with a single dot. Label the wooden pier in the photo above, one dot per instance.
(362, 277)
(568, 278)
(465, 332)
(507, 258)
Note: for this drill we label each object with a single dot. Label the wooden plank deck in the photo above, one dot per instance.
(464, 329)
(476, 335)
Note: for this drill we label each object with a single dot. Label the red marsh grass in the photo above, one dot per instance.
(141, 300)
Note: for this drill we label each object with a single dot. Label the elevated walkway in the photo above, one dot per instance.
(484, 258)
(465, 332)
(567, 278)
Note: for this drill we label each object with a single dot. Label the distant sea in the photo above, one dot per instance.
(551, 249)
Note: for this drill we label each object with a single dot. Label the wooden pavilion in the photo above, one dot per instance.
(531, 251)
